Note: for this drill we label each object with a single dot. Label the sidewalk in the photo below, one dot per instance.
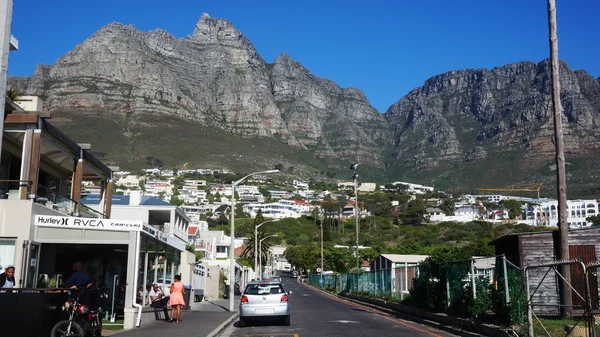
(204, 317)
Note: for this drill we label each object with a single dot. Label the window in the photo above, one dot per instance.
(221, 249)
(7, 253)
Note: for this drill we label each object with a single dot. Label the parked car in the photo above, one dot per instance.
(264, 300)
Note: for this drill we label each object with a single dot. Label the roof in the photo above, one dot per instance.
(124, 200)
(554, 229)
(192, 229)
(402, 258)
(433, 209)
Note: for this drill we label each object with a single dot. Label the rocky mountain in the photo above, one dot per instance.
(216, 79)
(210, 99)
(496, 123)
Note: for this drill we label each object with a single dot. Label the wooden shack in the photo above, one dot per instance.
(526, 249)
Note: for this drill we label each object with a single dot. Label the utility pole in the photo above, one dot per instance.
(6, 9)
(561, 181)
(355, 177)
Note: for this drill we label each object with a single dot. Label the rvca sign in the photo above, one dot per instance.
(91, 223)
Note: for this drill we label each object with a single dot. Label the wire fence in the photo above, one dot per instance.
(490, 286)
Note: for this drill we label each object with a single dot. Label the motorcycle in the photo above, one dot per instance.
(236, 290)
(82, 322)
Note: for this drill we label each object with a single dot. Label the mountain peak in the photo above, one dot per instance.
(213, 29)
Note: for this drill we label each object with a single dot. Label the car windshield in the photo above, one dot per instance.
(264, 289)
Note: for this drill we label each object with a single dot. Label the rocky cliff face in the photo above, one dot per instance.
(214, 77)
(468, 115)
(462, 129)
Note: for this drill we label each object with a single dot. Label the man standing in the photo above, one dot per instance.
(7, 279)
(79, 280)
(82, 282)
(158, 300)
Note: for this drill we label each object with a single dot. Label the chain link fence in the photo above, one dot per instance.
(490, 286)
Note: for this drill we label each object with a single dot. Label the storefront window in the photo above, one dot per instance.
(152, 270)
(176, 261)
(170, 274)
(163, 278)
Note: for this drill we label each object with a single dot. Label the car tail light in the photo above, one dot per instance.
(283, 298)
(244, 299)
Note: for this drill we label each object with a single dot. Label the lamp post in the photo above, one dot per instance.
(260, 253)
(355, 177)
(256, 240)
(232, 243)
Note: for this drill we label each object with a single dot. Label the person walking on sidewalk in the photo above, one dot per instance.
(176, 300)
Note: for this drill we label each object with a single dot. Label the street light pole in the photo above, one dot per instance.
(256, 240)
(355, 177)
(260, 253)
(232, 238)
(321, 253)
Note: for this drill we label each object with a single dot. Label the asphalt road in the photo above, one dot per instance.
(316, 314)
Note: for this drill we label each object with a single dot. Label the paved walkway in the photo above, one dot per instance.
(204, 317)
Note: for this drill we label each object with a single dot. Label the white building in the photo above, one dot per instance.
(276, 210)
(546, 214)
(367, 187)
(129, 181)
(30, 103)
(277, 193)
(300, 185)
(415, 188)
(193, 184)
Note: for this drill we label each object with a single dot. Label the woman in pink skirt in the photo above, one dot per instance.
(176, 300)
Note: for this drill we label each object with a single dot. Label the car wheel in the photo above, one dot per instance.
(243, 322)
(286, 321)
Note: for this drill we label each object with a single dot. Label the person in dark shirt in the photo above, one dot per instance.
(79, 280)
(82, 282)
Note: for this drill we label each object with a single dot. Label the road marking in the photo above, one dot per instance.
(373, 311)
(343, 321)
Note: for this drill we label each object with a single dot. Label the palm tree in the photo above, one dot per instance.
(248, 251)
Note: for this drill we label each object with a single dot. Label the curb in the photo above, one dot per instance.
(425, 319)
(223, 326)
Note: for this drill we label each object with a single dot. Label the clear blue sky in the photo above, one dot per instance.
(385, 48)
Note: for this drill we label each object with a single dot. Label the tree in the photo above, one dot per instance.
(13, 94)
(595, 220)
(448, 206)
(304, 257)
(248, 251)
(154, 162)
(514, 208)
(414, 213)
(175, 201)
(259, 218)
(199, 255)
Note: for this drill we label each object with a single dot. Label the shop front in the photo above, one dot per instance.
(123, 257)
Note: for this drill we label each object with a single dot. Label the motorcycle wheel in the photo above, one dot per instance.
(60, 330)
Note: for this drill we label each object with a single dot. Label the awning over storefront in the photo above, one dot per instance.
(53, 229)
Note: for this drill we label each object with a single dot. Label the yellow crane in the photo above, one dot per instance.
(536, 187)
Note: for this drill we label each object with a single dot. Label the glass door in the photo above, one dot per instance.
(32, 265)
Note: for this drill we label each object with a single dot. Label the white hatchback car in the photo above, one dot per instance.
(264, 300)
